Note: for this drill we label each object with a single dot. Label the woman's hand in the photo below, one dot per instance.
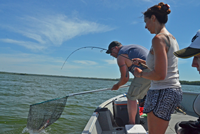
(137, 72)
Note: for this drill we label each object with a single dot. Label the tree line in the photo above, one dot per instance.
(190, 82)
(183, 82)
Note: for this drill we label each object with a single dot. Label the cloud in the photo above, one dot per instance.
(52, 30)
(28, 58)
(31, 63)
(26, 44)
(147, 0)
(156, 1)
(134, 22)
(85, 62)
(111, 61)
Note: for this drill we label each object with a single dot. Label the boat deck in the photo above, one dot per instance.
(104, 121)
(177, 117)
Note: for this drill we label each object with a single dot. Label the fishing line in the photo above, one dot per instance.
(102, 49)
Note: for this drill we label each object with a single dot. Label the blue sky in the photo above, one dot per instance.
(36, 36)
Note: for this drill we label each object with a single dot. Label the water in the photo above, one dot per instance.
(18, 92)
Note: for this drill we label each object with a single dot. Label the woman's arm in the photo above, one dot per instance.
(160, 55)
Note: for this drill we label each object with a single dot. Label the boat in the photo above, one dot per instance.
(111, 117)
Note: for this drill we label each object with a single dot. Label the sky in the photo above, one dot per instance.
(36, 36)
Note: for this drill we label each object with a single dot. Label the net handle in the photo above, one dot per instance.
(97, 90)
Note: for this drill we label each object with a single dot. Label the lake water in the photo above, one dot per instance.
(18, 92)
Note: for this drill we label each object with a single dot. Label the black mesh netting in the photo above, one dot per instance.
(41, 115)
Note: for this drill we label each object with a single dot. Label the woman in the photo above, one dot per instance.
(165, 93)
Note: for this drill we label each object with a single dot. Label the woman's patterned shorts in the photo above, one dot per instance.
(163, 102)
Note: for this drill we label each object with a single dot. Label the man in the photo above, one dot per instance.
(192, 51)
(139, 86)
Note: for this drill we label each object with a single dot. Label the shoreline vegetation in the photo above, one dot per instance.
(183, 82)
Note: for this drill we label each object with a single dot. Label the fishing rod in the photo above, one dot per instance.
(82, 48)
(102, 49)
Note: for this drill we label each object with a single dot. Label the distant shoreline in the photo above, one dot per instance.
(61, 76)
(183, 82)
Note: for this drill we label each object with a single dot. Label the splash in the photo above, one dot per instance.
(26, 130)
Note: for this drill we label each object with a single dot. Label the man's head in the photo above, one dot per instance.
(113, 48)
(192, 50)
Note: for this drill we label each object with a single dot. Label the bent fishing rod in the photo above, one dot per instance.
(80, 49)
(102, 49)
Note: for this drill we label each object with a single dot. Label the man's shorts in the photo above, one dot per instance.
(163, 102)
(138, 88)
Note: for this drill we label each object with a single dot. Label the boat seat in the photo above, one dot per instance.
(192, 124)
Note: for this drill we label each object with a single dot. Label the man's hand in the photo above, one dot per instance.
(137, 72)
(115, 87)
(138, 61)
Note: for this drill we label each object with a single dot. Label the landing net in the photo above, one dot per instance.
(43, 114)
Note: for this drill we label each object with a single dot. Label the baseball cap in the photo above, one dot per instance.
(111, 45)
(192, 50)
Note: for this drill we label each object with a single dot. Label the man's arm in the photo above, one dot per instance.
(121, 61)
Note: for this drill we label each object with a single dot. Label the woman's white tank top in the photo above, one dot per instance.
(172, 78)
